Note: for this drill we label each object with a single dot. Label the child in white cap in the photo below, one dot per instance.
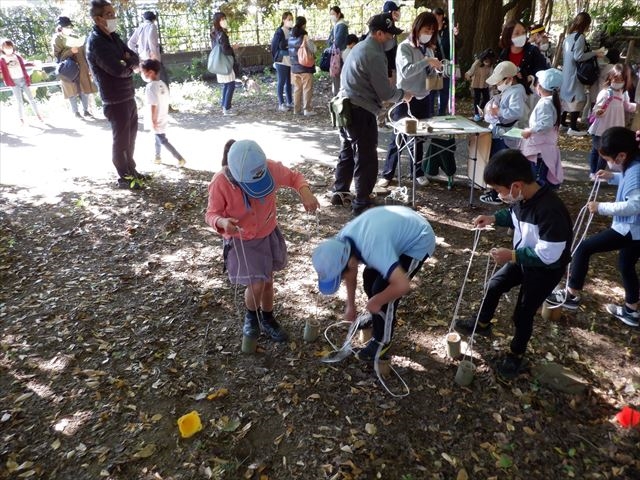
(503, 111)
(242, 208)
(540, 139)
(392, 242)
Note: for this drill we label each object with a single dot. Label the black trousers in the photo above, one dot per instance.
(420, 110)
(123, 118)
(480, 99)
(358, 157)
(536, 283)
(607, 241)
(373, 282)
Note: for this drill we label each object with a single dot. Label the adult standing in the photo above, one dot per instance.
(539, 37)
(282, 62)
(220, 37)
(517, 49)
(364, 82)
(443, 52)
(574, 49)
(337, 39)
(301, 76)
(414, 60)
(112, 64)
(67, 44)
(145, 41)
(392, 242)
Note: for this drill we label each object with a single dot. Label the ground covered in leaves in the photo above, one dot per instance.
(117, 319)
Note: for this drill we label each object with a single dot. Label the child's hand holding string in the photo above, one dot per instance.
(229, 225)
(309, 200)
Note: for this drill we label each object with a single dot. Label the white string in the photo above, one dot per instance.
(476, 239)
(579, 234)
(248, 277)
(469, 351)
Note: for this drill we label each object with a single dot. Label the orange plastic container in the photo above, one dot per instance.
(189, 424)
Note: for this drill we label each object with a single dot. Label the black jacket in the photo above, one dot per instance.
(111, 63)
(279, 45)
(532, 62)
(221, 37)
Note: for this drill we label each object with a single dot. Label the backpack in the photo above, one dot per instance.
(587, 71)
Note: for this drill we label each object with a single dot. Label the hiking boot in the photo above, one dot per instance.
(560, 297)
(466, 327)
(370, 350)
(510, 366)
(251, 328)
(624, 314)
(491, 197)
(272, 328)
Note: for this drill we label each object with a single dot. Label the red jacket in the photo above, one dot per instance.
(6, 76)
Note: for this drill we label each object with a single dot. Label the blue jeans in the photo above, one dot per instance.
(227, 94)
(596, 162)
(20, 88)
(161, 139)
(283, 84)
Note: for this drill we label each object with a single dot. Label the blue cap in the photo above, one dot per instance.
(248, 167)
(550, 79)
(330, 259)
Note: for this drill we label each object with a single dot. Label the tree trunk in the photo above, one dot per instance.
(481, 22)
(515, 8)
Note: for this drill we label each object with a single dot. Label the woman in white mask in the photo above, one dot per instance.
(415, 59)
(219, 36)
(282, 62)
(68, 44)
(517, 50)
(337, 39)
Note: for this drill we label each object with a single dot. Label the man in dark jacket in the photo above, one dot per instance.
(112, 64)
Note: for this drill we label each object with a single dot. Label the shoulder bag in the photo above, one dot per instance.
(587, 71)
(305, 58)
(68, 70)
(218, 62)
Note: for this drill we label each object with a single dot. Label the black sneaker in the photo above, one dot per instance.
(466, 327)
(341, 199)
(370, 350)
(557, 298)
(130, 184)
(510, 366)
(250, 327)
(87, 114)
(272, 328)
(491, 197)
(624, 314)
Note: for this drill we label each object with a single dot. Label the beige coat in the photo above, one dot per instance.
(62, 52)
(478, 74)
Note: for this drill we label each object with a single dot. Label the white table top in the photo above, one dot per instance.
(440, 126)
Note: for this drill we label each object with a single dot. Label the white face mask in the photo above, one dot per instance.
(614, 167)
(67, 30)
(389, 44)
(502, 87)
(519, 41)
(8, 51)
(544, 47)
(112, 24)
(425, 37)
(288, 23)
(223, 23)
(510, 198)
(617, 85)
(333, 19)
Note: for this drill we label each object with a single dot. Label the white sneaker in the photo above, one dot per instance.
(383, 182)
(309, 113)
(282, 108)
(422, 181)
(228, 113)
(576, 133)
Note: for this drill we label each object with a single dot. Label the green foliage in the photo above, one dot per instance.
(612, 16)
(30, 28)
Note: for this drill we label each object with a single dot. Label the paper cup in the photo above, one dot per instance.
(249, 344)
(551, 314)
(464, 375)
(410, 125)
(453, 345)
(311, 330)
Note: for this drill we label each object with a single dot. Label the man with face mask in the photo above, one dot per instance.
(112, 64)
(541, 251)
(364, 82)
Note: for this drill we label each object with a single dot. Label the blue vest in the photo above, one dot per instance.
(630, 181)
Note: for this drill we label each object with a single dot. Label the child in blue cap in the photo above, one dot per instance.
(392, 242)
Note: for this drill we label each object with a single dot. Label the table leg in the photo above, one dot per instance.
(475, 163)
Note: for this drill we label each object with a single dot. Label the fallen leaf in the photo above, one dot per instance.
(370, 428)
(145, 452)
(221, 392)
(462, 475)
(448, 458)
(56, 444)
(156, 417)
(505, 461)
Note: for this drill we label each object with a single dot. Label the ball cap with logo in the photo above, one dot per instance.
(383, 22)
(248, 167)
(330, 259)
(390, 6)
(65, 22)
(502, 71)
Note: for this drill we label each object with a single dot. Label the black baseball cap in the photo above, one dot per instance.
(383, 22)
